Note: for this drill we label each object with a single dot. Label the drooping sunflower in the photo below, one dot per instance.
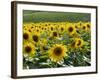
(43, 48)
(71, 29)
(29, 49)
(57, 52)
(77, 43)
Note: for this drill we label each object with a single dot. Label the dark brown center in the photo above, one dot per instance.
(79, 43)
(76, 27)
(55, 34)
(62, 29)
(45, 24)
(58, 51)
(32, 27)
(29, 30)
(35, 38)
(42, 28)
(39, 26)
(28, 49)
(25, 36)
(45, 28)
(88, 25)
(70, 29)
(51, 28)
(37, 30)
(84, 27)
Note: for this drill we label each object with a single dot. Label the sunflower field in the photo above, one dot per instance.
(53, 44)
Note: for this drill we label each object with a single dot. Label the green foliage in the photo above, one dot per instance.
(42, 16)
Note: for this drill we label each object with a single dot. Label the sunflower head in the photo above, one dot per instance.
(43, 48)
(51, 28)
(84, 27)
(78, 43)
(61, 28)
(57, 52)
(54, 34)
(35, 38)
(26, 35)
(37, 31)
(80, 23)
(25, 27)
(29, 49)
(76, 25)
(88, 25)
(71, 29)
(42, 28)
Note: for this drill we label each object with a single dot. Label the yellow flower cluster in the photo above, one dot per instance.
(49, 37)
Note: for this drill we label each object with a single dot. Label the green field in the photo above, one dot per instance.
(44, 16)
(56, 39)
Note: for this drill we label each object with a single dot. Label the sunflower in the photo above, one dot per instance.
(54, 34)
(26, 35)
(42, 28)
(37, 31)
(39, 25)
(43, 48)
(57, 52)
(25, 27)
(80, 23)
(29, 26)
(71, 29)
(35, 38)
(51, 28)
(76, 25)
(46, 28)
(84, 27)
(88, 24)
(32, 28)
(61, 28)
(29, 49)
(57, 27)
(78, 42)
